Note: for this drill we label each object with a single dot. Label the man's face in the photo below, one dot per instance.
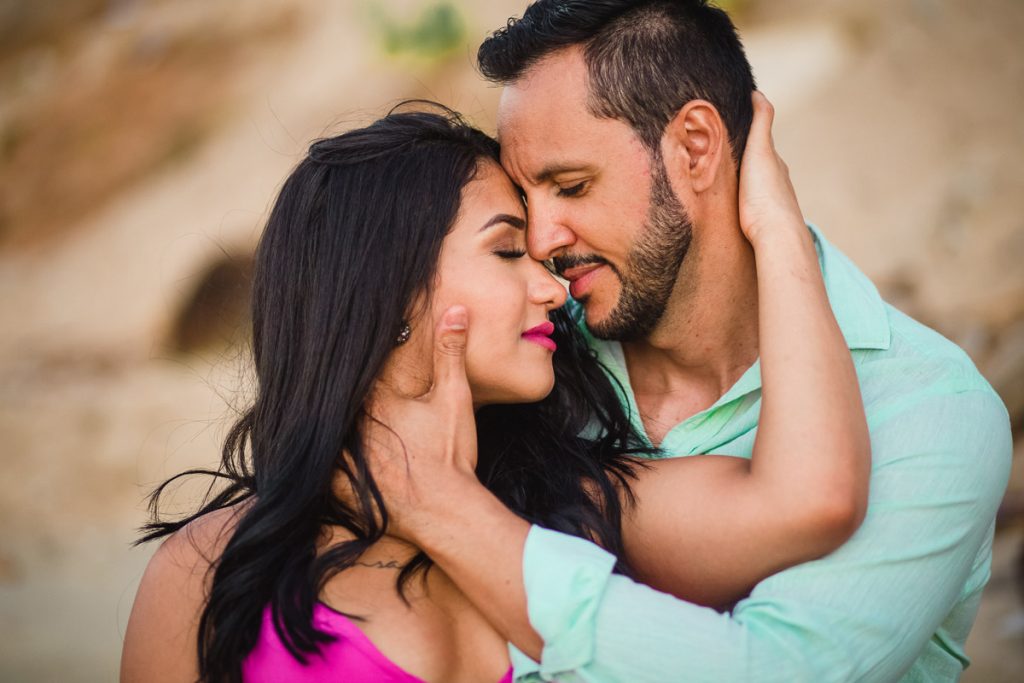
(599, 206)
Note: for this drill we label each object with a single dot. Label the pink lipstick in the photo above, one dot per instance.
(542, 335)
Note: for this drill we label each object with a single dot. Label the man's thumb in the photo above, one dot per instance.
(450, 346)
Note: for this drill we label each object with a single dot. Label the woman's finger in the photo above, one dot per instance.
(760, 136)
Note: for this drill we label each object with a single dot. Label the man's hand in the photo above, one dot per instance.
(423, 448)
(422, 453)
(767, 201)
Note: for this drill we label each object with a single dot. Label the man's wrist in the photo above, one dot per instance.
(442, 509)
(469, 512)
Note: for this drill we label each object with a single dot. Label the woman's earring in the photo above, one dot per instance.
(403, 334)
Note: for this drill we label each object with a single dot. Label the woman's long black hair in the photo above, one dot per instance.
(353, 238)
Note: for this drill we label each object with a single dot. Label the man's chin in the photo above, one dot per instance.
(601, 323)
(618, 324)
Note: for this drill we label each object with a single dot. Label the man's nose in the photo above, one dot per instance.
(547, 235)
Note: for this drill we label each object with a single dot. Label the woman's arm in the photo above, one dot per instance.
(708, 528)
(160, 641)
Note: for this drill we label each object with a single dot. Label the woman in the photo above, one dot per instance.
(373, 237)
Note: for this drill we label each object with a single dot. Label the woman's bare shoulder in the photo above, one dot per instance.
(160, 641)
(197, 545)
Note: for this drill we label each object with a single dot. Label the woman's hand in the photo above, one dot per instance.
(420, 448)
(767, 200)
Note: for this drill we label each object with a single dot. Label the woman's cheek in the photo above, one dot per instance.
(481, 359)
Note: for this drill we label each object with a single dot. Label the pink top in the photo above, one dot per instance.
(352, 658)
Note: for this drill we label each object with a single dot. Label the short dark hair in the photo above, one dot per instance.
(645, 59)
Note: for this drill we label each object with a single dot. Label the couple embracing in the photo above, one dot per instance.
(720, 456)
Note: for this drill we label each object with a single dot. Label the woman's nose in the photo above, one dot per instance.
(546, 290)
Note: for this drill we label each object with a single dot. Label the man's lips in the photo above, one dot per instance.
(541, 334)
(580, 278)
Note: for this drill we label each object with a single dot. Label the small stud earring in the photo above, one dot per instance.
(403, 334)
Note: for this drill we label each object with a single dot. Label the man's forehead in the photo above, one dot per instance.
(539, 144)
(543, 119)
(556, 84)
(539, 157)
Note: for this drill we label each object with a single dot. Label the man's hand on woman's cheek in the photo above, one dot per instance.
(422, 449)
(422, 454)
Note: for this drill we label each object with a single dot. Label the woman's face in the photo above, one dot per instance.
(484, 267)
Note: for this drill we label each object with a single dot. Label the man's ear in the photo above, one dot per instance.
(695, 145)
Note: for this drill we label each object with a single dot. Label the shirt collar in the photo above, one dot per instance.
(858, 307)
(856, 304)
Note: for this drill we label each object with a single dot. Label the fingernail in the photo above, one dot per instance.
(455, 318)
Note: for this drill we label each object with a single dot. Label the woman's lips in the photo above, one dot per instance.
(541, 334)
(580, 278)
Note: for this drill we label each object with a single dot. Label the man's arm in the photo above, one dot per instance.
(941, 462)
(863, 613)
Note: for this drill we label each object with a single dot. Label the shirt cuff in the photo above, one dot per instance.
(565, 579)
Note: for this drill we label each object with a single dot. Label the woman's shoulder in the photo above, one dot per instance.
(187, 555)
(198, 544)
(160, 641)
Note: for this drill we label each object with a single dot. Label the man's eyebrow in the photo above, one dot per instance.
(515, 221)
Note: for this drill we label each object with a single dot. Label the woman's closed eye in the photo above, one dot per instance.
(510, 254)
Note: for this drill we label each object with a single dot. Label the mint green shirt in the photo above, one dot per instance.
(895, 603)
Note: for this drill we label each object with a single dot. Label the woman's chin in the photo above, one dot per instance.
(519, 392)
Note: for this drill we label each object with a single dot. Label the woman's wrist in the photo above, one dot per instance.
(786, 231)
(789, 247)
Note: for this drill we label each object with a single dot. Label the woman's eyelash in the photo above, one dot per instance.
(510, 254)
(571, 191)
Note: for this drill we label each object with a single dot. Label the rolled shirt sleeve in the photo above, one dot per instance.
(895, 602)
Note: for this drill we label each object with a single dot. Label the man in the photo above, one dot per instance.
(623, 123)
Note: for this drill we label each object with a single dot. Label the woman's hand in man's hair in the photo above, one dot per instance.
(768, 204)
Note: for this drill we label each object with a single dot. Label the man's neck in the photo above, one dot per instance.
(705, 341)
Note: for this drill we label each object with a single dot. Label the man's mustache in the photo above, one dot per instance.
(567, 261)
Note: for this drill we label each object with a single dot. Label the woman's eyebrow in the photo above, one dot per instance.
(515, 221)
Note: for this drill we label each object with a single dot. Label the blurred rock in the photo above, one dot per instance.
(216, 314)
(9, 572)
(1004, 368)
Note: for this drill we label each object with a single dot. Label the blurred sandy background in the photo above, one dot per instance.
(141, 143)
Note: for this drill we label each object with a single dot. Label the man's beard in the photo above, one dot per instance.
(652, 265)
